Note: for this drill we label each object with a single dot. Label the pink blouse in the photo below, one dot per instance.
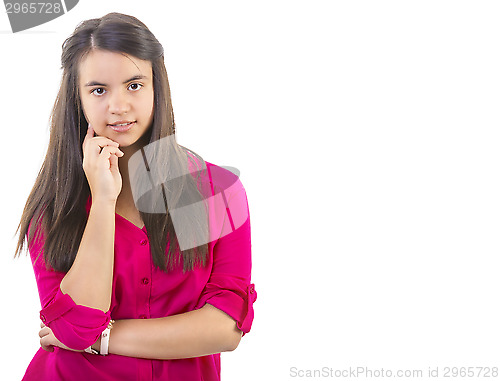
(142, 292)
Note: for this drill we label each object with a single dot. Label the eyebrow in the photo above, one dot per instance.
(134, 78)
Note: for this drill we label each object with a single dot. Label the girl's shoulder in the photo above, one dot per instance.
(219, 178)
(224, 177)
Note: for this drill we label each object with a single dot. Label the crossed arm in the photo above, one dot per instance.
(196, 333)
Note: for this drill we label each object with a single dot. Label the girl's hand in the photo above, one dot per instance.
(100, 164)
(48, 340)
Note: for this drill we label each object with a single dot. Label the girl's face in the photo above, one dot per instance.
(117, 89)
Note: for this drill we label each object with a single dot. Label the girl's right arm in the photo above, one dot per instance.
(89, 280)
(75, 305)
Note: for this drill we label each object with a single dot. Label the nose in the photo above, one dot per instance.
(118, 103)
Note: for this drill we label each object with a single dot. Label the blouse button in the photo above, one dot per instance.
(145, 280)
(42, 316)
(252, 290)
(144, 242)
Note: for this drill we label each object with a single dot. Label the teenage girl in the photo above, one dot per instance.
(141, 249)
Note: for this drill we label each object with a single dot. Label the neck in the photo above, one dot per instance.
(125, 196)
(128, 151)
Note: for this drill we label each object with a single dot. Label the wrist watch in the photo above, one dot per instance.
(104, 342)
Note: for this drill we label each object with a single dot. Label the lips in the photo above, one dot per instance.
(121, 126)
(120, 122)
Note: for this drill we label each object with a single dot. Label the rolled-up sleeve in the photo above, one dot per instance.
(74, 325)
(229, 287)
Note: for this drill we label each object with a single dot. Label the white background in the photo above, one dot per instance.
(366, 133)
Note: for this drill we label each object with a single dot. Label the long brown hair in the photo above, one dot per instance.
(57, 202)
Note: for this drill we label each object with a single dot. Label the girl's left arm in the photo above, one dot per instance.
(201, 332)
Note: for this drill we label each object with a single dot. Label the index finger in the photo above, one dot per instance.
(88, 135)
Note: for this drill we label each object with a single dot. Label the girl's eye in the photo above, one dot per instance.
(136, 84)
(96, 92)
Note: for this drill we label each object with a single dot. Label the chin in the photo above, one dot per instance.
(127, 143)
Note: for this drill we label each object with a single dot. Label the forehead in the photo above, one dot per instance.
(110, 67)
